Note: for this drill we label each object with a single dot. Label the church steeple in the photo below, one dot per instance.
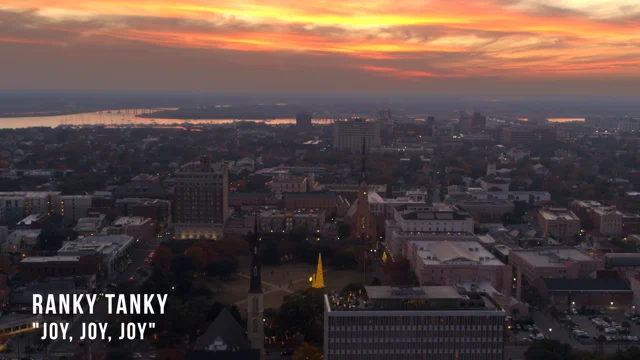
(255, 284)
(255, 300)
(363, 166)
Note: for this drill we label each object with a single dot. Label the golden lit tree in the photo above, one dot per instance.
(307, 352)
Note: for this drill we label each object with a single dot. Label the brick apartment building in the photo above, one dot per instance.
(560, 223)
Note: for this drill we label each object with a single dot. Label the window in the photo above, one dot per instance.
(256, 303)
(255, 271)
(255, 326)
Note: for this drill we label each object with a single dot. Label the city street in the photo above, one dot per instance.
(68, 348)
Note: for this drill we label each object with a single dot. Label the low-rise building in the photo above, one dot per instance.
(91, 225)
(622, 261)
(156, 209)
(13, 324)
(530, 197)
(560, 223)
(447, 262)
(19, 239)
(630, 224)
(238, 199)
(140, 228)
(512, 306)
(45, 267)
(332, 204)
(608, 220)
(486, 211)
(494, 183)
(428, 322)
(587, 292)
(23, 296)
(31, 222)
(350, 191)
(278, 221)
(111, 250)
(383, 208)
(287, 184)
(533, 266)
(427, 221)
(582, 209)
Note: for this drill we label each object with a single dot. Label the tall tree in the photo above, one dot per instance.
(307, 352)
(162, 257)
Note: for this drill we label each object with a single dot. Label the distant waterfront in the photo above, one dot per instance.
(118, 118)
(126, 118)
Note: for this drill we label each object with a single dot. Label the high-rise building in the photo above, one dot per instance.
(384, 116)
(303, 121)
(527, 135)
(428, 322)
(201, 199)
(464, 122)
(478, 122)
(348, 135)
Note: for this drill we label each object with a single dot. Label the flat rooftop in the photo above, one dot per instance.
(409, 299)
(423, 292)
(558, 214)
(454, 253)
(607, 210)
(552, 257)
(129, 220)
(40, 259)
(587, 203)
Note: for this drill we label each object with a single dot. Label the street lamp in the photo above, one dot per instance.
(550, 329)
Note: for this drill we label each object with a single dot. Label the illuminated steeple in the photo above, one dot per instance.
(318, 279)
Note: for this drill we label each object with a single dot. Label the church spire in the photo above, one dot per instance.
(255, 284)
(363, 166)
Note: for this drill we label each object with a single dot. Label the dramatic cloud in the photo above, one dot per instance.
(396, 42)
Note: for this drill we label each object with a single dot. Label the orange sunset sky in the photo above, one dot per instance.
(432, 46)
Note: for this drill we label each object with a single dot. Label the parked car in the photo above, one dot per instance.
(610, 330)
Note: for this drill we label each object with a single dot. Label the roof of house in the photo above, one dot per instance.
(311, 195)
(587, 284)
(227, 328)
(250, 354)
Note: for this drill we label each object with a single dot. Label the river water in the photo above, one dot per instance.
(126, 118)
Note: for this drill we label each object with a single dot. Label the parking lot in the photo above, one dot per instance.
(617, 327)
(525, 331)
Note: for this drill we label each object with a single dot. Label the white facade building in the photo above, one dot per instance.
(426, 222)
(348, 135)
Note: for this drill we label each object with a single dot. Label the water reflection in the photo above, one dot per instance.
(127, 118)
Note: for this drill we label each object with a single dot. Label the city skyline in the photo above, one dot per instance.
(496, 47)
